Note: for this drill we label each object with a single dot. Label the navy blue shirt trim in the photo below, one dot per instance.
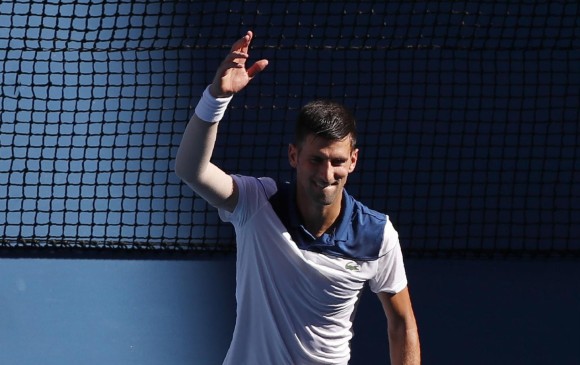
(358, 235)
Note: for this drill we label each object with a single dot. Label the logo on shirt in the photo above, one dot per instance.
(352, 266)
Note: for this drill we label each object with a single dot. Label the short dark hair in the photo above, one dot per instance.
(327, 119)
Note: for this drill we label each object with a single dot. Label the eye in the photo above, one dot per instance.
(338, 162)
(315, 160)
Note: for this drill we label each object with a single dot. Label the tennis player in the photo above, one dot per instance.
(305, 249)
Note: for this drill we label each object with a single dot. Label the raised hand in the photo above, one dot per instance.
(232, 74)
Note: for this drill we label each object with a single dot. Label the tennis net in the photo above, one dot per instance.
(468, 114)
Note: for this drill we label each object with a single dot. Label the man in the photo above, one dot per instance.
(305, 249)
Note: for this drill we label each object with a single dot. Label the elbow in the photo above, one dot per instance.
(179, 168)
(404, 327)
(191, 172)
(185, 169)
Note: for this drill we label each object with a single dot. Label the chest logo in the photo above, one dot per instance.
(352, 266)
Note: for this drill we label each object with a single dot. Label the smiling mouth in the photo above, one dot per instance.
(325, 185)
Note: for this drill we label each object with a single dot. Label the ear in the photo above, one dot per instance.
(353, 160)
(293, 155)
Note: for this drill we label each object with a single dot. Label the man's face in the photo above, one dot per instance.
(322, 167)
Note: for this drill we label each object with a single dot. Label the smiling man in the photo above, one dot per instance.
(305, 249)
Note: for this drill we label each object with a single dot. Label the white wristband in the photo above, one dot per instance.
(210, 109)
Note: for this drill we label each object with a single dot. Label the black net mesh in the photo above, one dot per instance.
(468, 114)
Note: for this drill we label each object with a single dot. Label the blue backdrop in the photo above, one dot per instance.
(154, 312)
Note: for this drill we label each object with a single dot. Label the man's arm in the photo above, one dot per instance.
(192, 163)
(403, 334)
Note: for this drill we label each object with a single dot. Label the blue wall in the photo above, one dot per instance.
(155, 312)
(115, 312)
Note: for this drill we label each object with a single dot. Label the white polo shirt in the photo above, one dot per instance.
(296, 295)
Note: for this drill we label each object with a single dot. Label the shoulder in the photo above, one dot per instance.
(373, 229)
(361, 231)
(253, 193)
(363, 212)
(255, 186)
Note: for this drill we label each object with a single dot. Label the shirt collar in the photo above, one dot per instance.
(342, 228)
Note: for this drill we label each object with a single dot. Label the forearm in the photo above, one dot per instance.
(193, 165)
(199, 137)
(404, 346)
(195, 150)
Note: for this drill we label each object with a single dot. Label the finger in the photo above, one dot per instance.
(257, 67)
(242, 43)
(248, 39)
(230, 65)
(237, 56)
(235, 60)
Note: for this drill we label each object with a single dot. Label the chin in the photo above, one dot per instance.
(327, 199)
(325, 202)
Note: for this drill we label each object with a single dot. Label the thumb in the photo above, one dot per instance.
(257, 67)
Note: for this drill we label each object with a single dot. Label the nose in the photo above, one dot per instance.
(326, 172)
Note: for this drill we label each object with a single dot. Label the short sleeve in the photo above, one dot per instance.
(253, 193)
(390, 276)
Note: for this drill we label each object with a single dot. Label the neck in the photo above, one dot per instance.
(318, 219)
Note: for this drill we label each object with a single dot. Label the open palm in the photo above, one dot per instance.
(232, 75)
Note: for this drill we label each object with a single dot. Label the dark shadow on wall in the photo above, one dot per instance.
(482, 312)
